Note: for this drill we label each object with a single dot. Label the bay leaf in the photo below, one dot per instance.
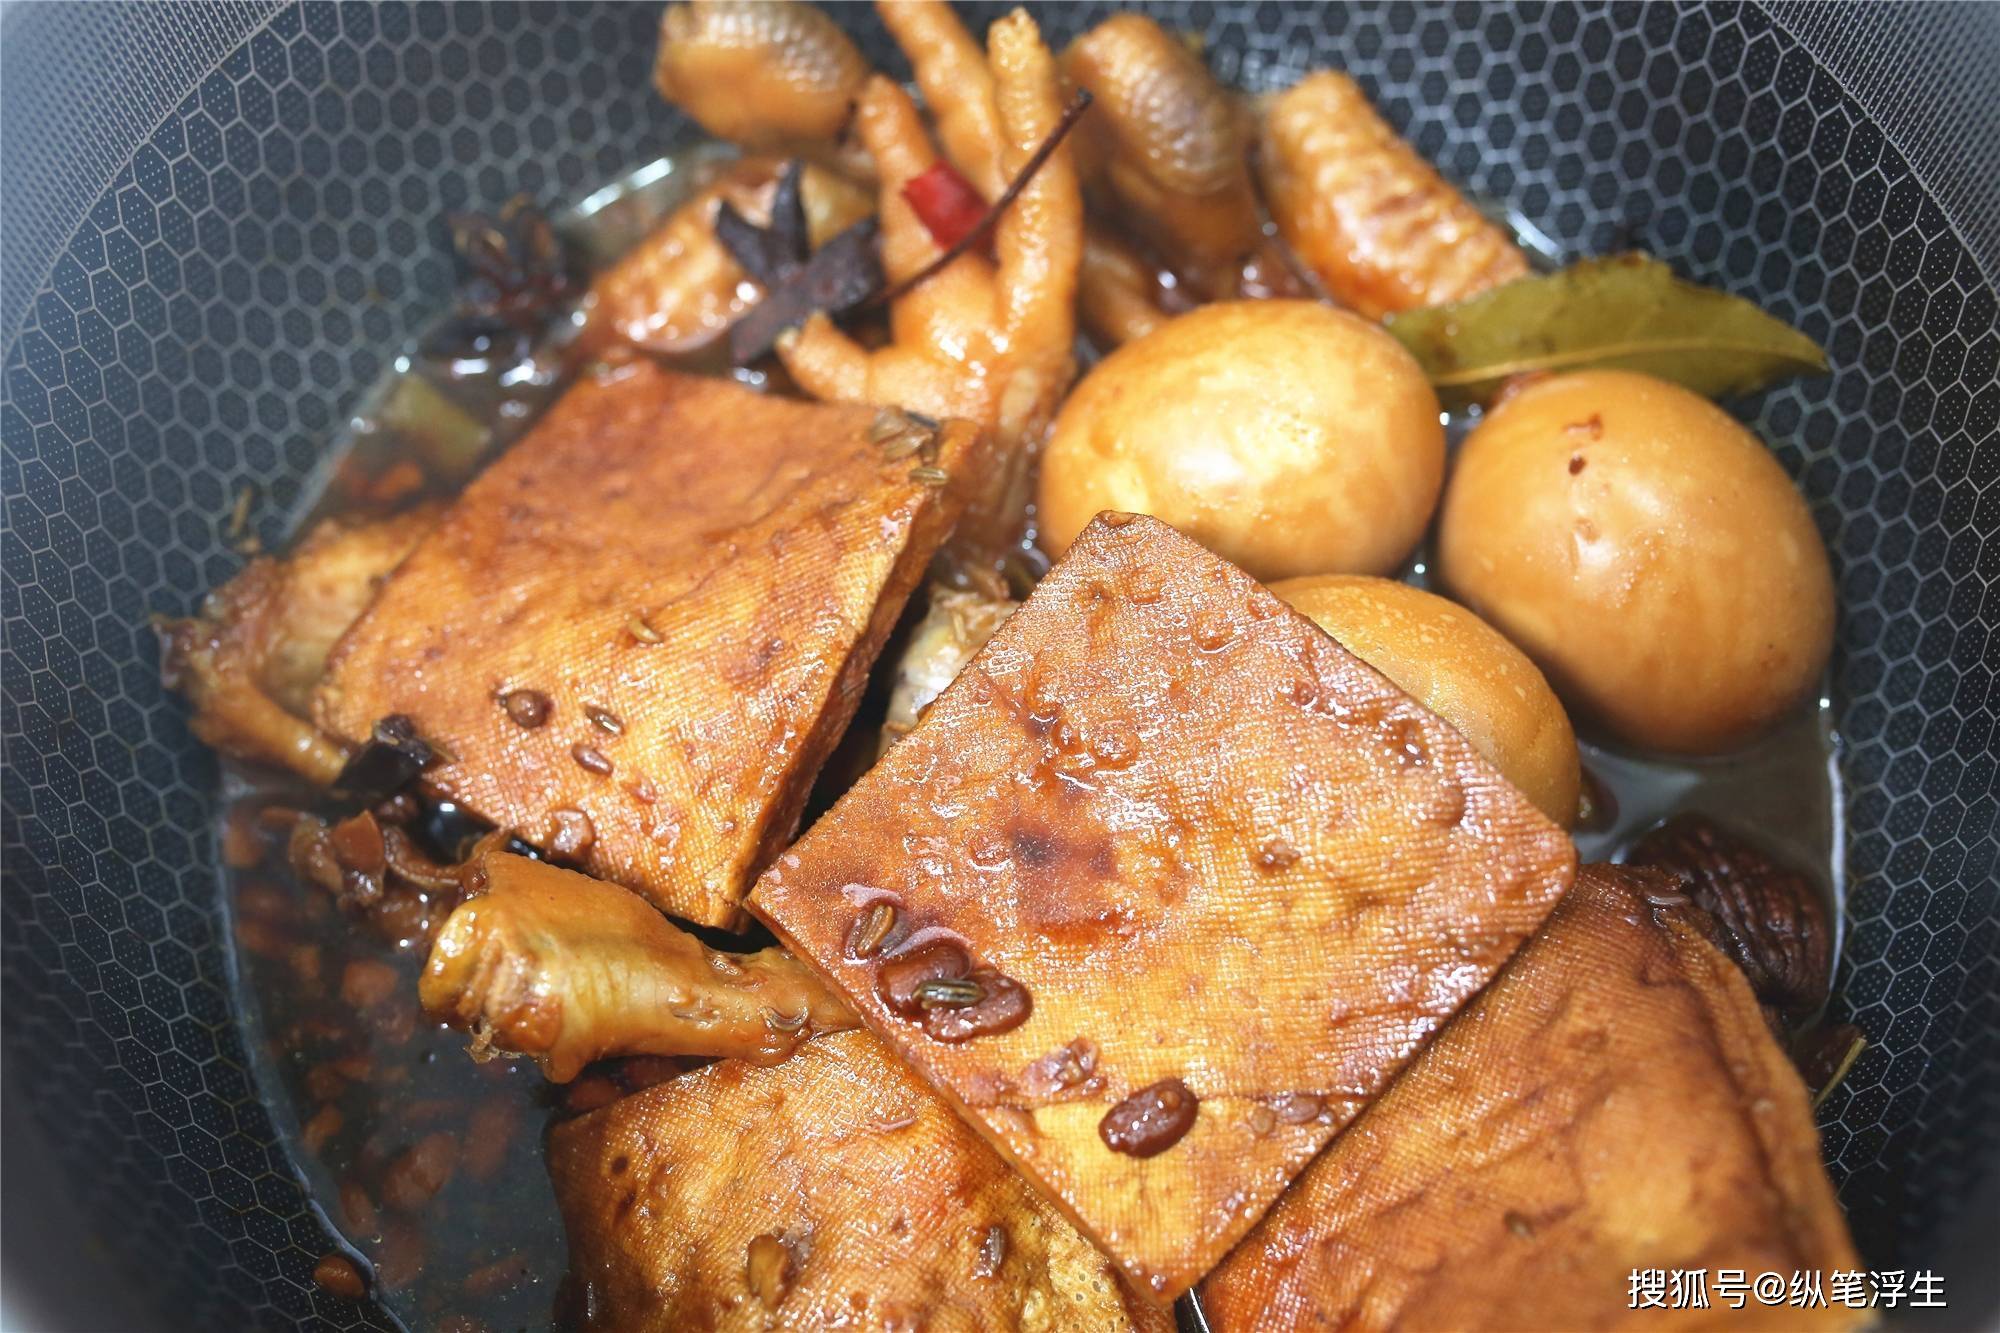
(1626, 312)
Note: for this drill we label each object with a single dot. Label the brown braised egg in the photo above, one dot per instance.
(1459, 667)
(1647, 551)
(1285, 436)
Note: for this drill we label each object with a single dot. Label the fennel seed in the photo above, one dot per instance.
(950, 993)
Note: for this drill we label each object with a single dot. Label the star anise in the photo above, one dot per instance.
(773, 252)
(845, 274)
(513, 275)
(797, 281)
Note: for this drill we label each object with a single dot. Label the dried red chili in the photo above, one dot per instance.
(945, 203)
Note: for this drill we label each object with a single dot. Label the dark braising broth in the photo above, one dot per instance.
(430, 1163)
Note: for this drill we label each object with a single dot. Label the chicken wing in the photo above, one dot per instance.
(1117, 292)
(956, 625)
(249, 661)
(1612, 1103)
(1162, 889)
(762, 73)
(833, 1191)
(567, 969)
(1173, 146)
(1379, 226)
(637, 634)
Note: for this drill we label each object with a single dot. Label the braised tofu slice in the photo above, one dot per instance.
(832, 1191)
(250, 660)
(1615, 1102)
(1162, 889)
(567, 969)
(637, 635)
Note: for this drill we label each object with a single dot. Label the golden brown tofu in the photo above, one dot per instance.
(1379, 226)
(832, 1191)
(568, 969)
(637, 635)
(249, 661)
(1613, 1102)
(1163, 889)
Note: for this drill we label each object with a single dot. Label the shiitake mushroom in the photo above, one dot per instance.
(1767, 916)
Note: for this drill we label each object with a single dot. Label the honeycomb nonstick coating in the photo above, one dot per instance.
(275, 238)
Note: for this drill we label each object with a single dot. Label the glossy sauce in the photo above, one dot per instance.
(429, 1163)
